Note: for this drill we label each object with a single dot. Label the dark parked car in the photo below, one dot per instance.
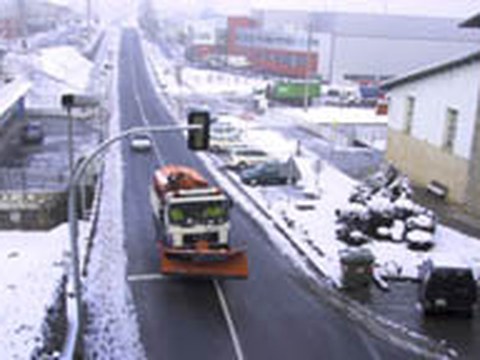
(446, 286)
(271, 173)
(32, 133)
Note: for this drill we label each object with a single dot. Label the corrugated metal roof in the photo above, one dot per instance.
(12, 92)
(431, 70)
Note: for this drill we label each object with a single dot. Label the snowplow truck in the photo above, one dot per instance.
(195, 224)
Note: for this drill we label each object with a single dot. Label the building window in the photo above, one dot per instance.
(409, 110)
(450, 129)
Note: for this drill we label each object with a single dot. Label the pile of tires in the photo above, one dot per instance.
(382, 209)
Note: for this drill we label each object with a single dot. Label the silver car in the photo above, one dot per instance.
(141, 142)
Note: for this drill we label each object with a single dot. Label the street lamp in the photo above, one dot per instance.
(74, 101)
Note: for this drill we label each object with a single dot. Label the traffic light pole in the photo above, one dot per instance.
(72, 213)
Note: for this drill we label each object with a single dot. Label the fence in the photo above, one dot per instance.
(32, 179)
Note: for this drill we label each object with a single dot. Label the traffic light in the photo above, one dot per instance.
(79, 101)
(198, 139)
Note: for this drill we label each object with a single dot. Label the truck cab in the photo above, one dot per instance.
(194, 222)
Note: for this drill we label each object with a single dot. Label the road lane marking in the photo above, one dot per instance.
(143, 116)
(229, 319)
(145, 277)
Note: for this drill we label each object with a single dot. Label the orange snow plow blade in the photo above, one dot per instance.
(204, 262)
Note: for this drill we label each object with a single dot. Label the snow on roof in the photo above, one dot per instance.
(432, 69)
(67, 65)
(11, 92)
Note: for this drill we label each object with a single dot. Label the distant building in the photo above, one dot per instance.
(284, 51)
(205, 38)
(346, 47)
(9, 25)
(22, 17)
(434, 127)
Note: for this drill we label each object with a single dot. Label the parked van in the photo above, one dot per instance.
(447, 286)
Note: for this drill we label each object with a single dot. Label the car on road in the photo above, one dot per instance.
(243, 157)
(32, 133)
(447, 286)
(141, 142)
(271, 173)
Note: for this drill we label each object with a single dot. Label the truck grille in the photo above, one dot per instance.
(189, 240)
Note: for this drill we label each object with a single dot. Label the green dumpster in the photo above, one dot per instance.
(357, 267)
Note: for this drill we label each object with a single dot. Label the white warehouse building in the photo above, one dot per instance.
(372, 47)
(434, 127)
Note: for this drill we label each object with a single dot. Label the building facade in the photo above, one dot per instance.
(434, 127)
(283, 51)
(205, 38)
(9, 25)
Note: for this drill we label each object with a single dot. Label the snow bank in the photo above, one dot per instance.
(112, 330)
(197, 81)
(31, 268)
(337, 115)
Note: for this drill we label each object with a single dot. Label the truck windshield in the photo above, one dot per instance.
(208, 212)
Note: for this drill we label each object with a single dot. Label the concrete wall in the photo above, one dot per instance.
(424, 162)
(473, 190)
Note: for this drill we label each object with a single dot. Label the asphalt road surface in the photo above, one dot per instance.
(269, 316)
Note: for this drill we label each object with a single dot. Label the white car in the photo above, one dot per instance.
(141, 142)
(240, 158)
(224, 135)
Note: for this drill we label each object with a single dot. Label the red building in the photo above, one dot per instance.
(277, 52)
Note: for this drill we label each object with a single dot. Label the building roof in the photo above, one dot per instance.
(11, 92)
(431, 70)
(473, 22)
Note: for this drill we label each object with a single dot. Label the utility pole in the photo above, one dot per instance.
(307, 63)
(89, 18)
(22, 18)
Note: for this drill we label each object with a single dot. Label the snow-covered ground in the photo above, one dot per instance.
(34, 263)
(54, 71)
(337, 115)
(197, 81)
(31, 271)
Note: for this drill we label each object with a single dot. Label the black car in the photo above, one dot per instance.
(271, 173)
(447, 287)
(32, 133)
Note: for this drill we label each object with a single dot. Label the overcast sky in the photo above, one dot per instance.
(446, 8)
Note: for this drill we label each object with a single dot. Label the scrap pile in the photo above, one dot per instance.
(382, 209)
